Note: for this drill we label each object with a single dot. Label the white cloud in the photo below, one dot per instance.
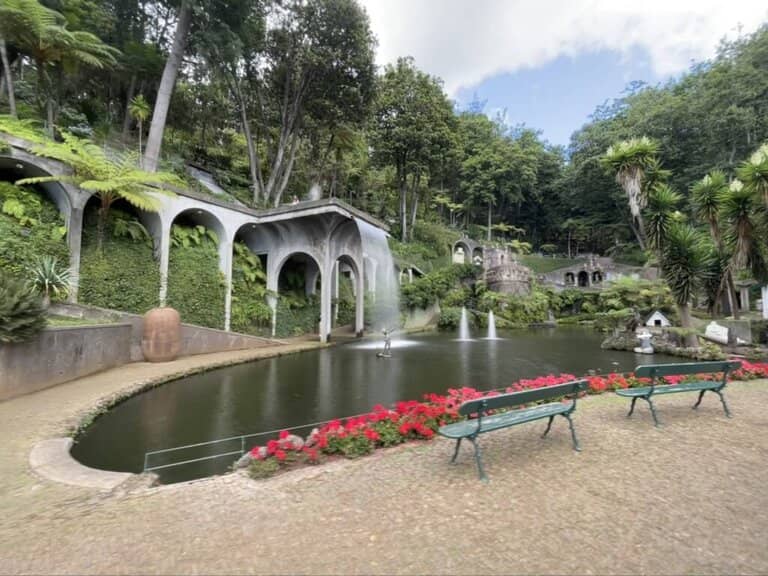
(466, 41)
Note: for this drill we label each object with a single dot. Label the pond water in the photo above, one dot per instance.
(323, 384)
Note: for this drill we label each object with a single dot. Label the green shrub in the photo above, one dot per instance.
(449, 318)
(250, 312)
(196, 287)
(21, 312)
(30, 228)
(124, 275)
(258, 469)
(434, 286)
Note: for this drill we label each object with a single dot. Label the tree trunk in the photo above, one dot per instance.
(168, 81)
(415, 202)
(403, 206)
(691, 341)
(569, 244)
(283, 184)
(7, 75)
(127, 117)
(732, 301)
(490, 214)
(141, 129)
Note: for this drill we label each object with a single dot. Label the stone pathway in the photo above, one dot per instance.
(689, 497)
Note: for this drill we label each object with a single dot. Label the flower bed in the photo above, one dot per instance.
(413, 420)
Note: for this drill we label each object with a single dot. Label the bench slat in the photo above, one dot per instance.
(658, 370)
(524, 397)
(495, 422)
(670, 388)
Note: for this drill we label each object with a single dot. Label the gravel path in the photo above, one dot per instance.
(689, 497)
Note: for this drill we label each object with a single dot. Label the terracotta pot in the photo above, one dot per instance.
(161, 340)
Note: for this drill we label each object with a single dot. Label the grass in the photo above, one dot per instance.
(544, 264)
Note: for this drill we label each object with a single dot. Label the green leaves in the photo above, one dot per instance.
(21, 312)
(687, 261)
(49, 277)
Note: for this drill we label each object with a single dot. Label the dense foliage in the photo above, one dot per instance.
(30, 227)
(196, 287)
(22, 314)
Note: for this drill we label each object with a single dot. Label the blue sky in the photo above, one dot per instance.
(558, 97)
(551, 62)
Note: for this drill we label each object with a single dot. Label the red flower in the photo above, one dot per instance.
(256, 452)
(280, 455)
(283, 434)
(371, 434)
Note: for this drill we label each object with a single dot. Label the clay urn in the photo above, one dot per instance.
(161, 340)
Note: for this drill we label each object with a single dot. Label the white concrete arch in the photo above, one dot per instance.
(359, 284)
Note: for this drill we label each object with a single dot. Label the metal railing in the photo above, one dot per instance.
(242, 442)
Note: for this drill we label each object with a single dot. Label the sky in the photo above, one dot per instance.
(548, 63)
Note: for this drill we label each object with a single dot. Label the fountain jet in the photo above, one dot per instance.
(464, 325)
(491, 326)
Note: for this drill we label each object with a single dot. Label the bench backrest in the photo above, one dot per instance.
(524, 397)
(659, 370)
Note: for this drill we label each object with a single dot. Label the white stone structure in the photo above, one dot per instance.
(657, 319)
(323, 233)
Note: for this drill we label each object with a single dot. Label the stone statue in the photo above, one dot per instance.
(458, 255)
(387, 352)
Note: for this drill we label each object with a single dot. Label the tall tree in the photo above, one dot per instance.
(412, 124)
(167, 83)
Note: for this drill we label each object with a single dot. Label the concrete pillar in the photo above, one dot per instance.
(410, 275)
(272, 277)
(744, 293)
(164, 249)
(359, 302)
(74, 240)
(310, 279)
(325, 301)
(225, 265)
(335, 299)
(764, 292)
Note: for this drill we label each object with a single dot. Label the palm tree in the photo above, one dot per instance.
(706, 199)
(740, 215)
(108, 180)
(687, 264)
(754, 173)
(629, 160)
(21, 22)
(139, 110)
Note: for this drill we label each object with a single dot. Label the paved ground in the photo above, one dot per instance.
(689, 497)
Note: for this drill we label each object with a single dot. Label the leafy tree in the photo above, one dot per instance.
(754, 173)
(412, 124)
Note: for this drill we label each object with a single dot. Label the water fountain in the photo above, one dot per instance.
(491, 326)
(464, 334)
(386, 313)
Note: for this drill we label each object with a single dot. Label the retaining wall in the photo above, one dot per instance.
(61, 354)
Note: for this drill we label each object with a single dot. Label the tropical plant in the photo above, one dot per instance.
(21, 312)
(706, 199)
(186, 236)
(754, 173)
(139, 110)
(629, 159)
(49, 278)
(686, 263)
(127, 226)
(660, 213)
(109, 180)
(739, 216)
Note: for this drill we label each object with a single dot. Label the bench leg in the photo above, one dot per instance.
(632, 407)
(478, 459)
(549, 425)
(725, 405)
(573, 433)
(653, 410)
(456, 451)
(701, 395)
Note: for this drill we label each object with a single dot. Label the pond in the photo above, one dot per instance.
(323, 384)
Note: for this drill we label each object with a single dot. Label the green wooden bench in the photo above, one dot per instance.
(657, 371)
(479, 420)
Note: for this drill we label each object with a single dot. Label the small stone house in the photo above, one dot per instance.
(658, 320)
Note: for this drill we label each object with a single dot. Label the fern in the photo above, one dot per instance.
(28, 130)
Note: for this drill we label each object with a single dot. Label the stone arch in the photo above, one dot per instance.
(18, 164)
(597, 277)
(583, 279)
(312, 266)
(200, 216)
(570, 279)
(477, 256)
(465, 252)
(347, 261)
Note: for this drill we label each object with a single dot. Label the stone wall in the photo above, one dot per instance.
(194, 339)
(61, 354)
